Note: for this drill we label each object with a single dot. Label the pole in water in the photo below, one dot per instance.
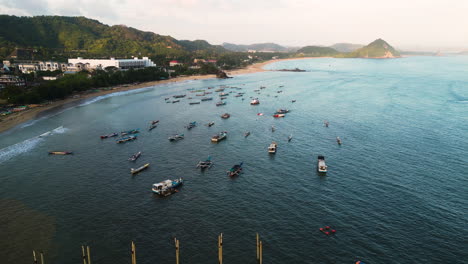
(88, 254)
(34, 257)
(133, 253)
(258, 257)
(42, 258)
(220, 248)
(177, 250)
(83, 254)
(261, 253)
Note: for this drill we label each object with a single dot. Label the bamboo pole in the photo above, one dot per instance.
(34, 257)
(83, 254)
(261, 253)
(133, 253)
(42, 258)
(89, 254)
(177, 250)
(258, 257)
(220, 248)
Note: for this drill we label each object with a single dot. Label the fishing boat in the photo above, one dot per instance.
(235, 170)
(175, 101)
(205, 164)
(255, 101)
(135, 156)
(262, 87)
(179, 96)
(167, 187)
(220, 136)
(223, 94)
(108, 136)
(137, 170)
(125, 139)
(273, 128)
(225, 116)
(152, 127)
(272, 148)
(338, 140)
(282, 111)
(321, 166)
(154, 122)
(238, 95)
(133, 131)
(246, 134)
(219, 90)
(194, 103)
(223, 98)
(220, 103)
(326, 123)
(207, 99)
(176, 137)
(279, 115)
(210, 124)
(167, 98)
(191, 125)
(293, 101)
(289, 138)
(60, 152)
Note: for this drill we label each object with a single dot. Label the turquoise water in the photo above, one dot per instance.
(396, 190)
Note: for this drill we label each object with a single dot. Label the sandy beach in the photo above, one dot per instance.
(15, 119)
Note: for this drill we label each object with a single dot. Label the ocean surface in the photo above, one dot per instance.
(396, 190)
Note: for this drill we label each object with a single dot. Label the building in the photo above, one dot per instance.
(6, 80)
(28, 67)
(122, 64)
(174, 63)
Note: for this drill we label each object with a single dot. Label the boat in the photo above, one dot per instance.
(210, 124)
(321, 166)
(154, 122)
(223, 94)
(255, 101)
(207, 99)
(191, 125)
(293, 101)
(220, 136)
(107, 136)
(272, 148)
(279, 115)
(220, 103)
(179, 96)
(135, 156)
(338, 140)
(175, 101)
(289, 138)
(167, 98)
(246, 134)
(167, 187)
(176, 137)
(219, 90)
(273, 128)
(238, 95)
(225, 115)
(282, 111)
(152, 127)
(137, 170)
(326, 123)
(205, 164)
(235, 170)
(133, 131)
(125, 139)
(60, 152)
(223, 98)
(194, 103)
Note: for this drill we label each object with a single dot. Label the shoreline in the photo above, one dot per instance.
(13, 120)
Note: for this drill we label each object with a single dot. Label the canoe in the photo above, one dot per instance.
(60, 152)
(137, 170)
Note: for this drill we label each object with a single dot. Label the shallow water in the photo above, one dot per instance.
(395, 190)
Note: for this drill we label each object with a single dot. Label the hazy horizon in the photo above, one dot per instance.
(420, 25)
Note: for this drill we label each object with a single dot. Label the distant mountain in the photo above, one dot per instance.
(465, 52)
(68, 36)
(317, 51)
(346, 47)
(265, 47)
(377, 49)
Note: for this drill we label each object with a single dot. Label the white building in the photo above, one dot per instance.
(123, 64)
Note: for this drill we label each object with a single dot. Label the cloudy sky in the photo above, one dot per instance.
(425, 24)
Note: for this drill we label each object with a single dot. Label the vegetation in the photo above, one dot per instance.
(317, 51)
(346, 47)
(376, 49)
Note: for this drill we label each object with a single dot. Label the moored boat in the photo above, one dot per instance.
(167, 187)
(176, 137)
(152, 127)
(125, 139)
(179, 96)
(110, 135)
(60, 152)
(220, 103)
(279, 115)
(133, 131)
(154, 122)
(205, 164)
(326, 123)
(175, 101)
(194, 103)
(225, 116)
(289, 138)
(207, 99)
(191, 125)
(273, 128)
(137, 170)
(235, 170)
(220, 136)
(255, 101)
(210, 124)
(338, 140)
(135, 156)
(272, 148)
(246, 134)
(282, 111)
(321, 166)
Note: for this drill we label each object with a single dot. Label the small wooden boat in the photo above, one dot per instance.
(108, 136)
(235, 170)
(282, 111)
(223, 94)
(220, 136)
(194, 103)
(210, 124)
(135, 156)
(238, 95)
(255, 101)
(220, 103)
(133, 131)
(167, 187)
(279, 115)
(272, 148)
(326, 123)
(207, 99)
(179, 96)
(205, 164)
(60, 152)
(152, 127)
(167, 98)
(154, 122)
(137, 170)
(125, 139)
(321, 166)
(293, 101)
(289, 138)
(176, 137)
(175, 101)
(273, 128)
(338, 140)
(246, 134)
(219, 90)
(225, 116)
(191, 125)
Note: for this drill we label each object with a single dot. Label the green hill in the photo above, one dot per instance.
(346, 47)
(317, 51)
(80, 36)
(377, 49)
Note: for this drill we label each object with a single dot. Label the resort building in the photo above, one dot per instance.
(28, 67)
(7, 80)
(122, 64)
(174, 63)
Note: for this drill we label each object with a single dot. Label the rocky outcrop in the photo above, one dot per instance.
(222, 75)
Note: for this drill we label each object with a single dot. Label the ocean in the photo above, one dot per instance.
(395, 190)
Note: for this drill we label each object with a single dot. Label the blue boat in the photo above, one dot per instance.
(235, 170)
(167, 187)
(191, 125)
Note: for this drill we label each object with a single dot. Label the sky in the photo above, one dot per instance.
(406, 24)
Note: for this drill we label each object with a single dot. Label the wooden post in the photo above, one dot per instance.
(89, 254)
(177, 250)
(34, 257)
(258, 257)
(261, 253)
(83, 254)
(133, 253)
(220, 248)
(42, 258)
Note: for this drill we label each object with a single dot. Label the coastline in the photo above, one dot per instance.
(16, 119)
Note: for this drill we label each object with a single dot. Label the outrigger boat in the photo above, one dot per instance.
(60, 152)
(167, 187)
(108, 136)
(133, 131)
(191, 125)
(220, 136)
(272, 148)
(125, 139)
(135, 156)
(338, 140)
(279, 115)
(255, 101)
(282, 111)
(321, 166)
(225, 115)
(176, 137)
(137, 170)
(220, 103)
(205, 164)
(235, 170)
(247, 134)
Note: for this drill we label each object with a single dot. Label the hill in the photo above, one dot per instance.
(80, 36)
(265, 47)
(377, 49)
(346, 47)
(317, 51)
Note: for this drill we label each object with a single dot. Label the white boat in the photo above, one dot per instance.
(255, 101)
(321, 166)
(137, 170)
(338, 140)
(220, 136)
(272, 148)
(167, 187)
